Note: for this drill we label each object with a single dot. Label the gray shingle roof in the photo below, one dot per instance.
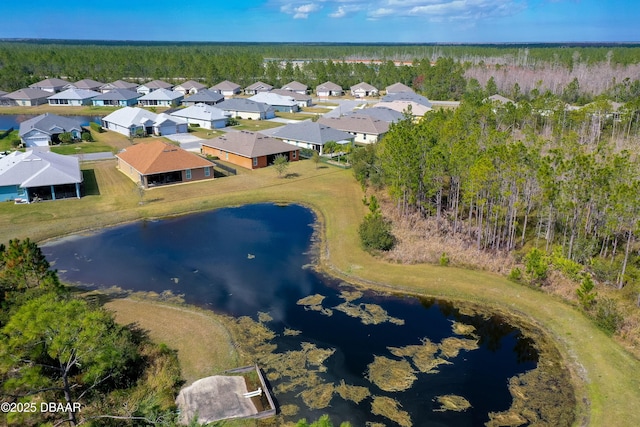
(205, 95)
(28, 93)
(295, 86)
(119, 84)
(242, 104)
(398, 87)
(118, 95)
(87, 84)
(330, 86)
(190, 84)
(274, 99)
(249, 144)
(407, 96)
(356, 124)
(226, 85)
(202, 112)
(129, 116)
(39, 168)
(161, 95)
(259, 86)
(364, 86)
(311, 132)
(295, 95)
(157, 84)
(381, 113)
(77, 94)
(47, 122)
(50, 83)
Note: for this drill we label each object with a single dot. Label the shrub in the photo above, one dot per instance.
(375, 233)
(444, 259)
(568, 267)
(86, 136)
(586, 292)
(96, 127)
(65, 137)
(515, 275)
(608, 318)
(536, 266)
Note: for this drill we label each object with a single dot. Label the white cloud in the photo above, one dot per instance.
(300, 11)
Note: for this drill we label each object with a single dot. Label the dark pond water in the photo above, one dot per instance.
(251, 259)
(8, 121)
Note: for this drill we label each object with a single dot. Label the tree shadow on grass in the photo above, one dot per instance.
(292, 175)
(90, 183)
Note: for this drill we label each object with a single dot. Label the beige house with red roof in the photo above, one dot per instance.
(157, 162)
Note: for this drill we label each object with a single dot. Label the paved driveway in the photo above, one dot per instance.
(187, 142)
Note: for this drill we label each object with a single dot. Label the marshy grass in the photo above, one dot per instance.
(463, 329)
(369, 314)
(289, 410)
(291, 332)
(451, 402)
(353, 393)
(390, 408)
(423, 356)
(264, 317)
(391, 375)
(450, 347)
(349, 296)
(318, 397)
(314, 303)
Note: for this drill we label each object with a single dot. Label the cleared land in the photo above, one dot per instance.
(603, 371)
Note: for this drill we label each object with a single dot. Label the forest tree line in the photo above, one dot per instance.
(437, 71)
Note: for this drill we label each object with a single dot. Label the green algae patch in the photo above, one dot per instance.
(369, 314)
(353, 393)
(391, 375)
(451, 402)
(318, 397)
(390, 408)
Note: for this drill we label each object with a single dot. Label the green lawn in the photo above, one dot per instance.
(256, 125)
(82, 148)
(605, 374)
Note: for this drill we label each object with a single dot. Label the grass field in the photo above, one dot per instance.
(605, 375)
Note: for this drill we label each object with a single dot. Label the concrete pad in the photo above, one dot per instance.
(215, 398)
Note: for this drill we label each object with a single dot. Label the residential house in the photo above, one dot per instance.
(249, 150)
(397, 88)
(297, 87)
(227, 88)
(156, 162)
(363, 90)
(203, 115)
(241, 108)
(86, 84)
(409, 97)
(312, 135)
(303, 100)
(161, 98)
(365, 129)
(380, 113)
(257, 87)
(204, 96)
(37, 175)
(50, 85)
(4, 101)
(416, 110)
(28, 97)
(284, 104)
(152, 86)
(45, 129)
(134, 121)
(499, 99)
(118, 84)
(327, 89)
(73, 97)
(116, 98)
(190, 87)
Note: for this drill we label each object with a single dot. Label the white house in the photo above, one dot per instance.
(362, 90)
(134, 121)
(73, 97)
(297, 87)
(257, 87)
(242, 108)
(281, 103)
(154, 85)
(51, 85)
(327, 89)
(313, 135)
(365, 129)
(190, 87)
(203, 115)
(227, 88)
(161, 98)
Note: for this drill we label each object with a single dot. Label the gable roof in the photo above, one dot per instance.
(295, 86)
(119, 84)
(28, 93)
(129, 116)
(356, 124)
(117, 95)
(243, 104)
(87, 84)
(157, 84)
(36, 168)
(402, 106)
(202, 112)
(50, 83)
(398, 87)
(295, 95)
(190, 84)
(312, 132)
(161, 95)
(205, 95)
(381, 113)
(259, 86)
(500, 99)
(329, 86)
(249, 144)
(363, 86)
(77, 94)
(407, 96)
(274, 99)
(226, 85)
(46, 122)
(158, 156)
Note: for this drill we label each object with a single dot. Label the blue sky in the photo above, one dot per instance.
(415, 21)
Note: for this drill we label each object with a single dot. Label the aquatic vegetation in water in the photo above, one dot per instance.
(314, 303)
(372, 424)
(391, 375)
(350, 295)
(264, 317)
(450, 347)
(463, 329)
(252, 337)
(451, 402)
(369, 314)
(423, 356)
(291, 332)
(289, 410)
(390, 408)
(353, 393)
(318, 397)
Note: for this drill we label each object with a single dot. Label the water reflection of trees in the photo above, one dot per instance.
(490, 328)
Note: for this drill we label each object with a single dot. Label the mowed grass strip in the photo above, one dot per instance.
(603, 371)
(203, 344)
